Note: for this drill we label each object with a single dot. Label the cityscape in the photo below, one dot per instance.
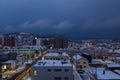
(24, 56)
(59, 39)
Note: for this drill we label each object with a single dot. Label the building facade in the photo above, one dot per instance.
(52, 70)
(80, 62)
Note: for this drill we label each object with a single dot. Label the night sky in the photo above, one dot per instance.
(76, 19)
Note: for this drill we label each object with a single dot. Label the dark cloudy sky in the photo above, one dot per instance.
(74, 18)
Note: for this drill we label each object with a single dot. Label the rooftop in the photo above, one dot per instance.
(56, 54)
(77, 57)
(113, 65)
(108, 75)
(9, 61)
(53, 63)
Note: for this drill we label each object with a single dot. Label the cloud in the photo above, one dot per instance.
(40, 24)
(110, 23)
(9, 28)
(63, 26)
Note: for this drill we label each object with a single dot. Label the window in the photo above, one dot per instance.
(84, 62)
(66, 78)
(35, 73)
(57, 78)
(78, 62)
(80, 66)
(49, 70)
(66, 70)
(58, 70)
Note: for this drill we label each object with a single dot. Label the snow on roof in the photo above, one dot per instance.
(117, 57)
(110, 50)
(52, 63)
(113, 65)
(9, 61)
(86, 53)
(56, 54)
(77, 57)
(96, 61)
(108, 75)
(117, 51)
(117, 71)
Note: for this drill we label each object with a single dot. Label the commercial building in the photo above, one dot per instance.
(52, 70)
(56, 56)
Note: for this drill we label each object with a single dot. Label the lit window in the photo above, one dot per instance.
(35, 72)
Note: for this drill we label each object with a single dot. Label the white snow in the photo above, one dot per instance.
(108, 75)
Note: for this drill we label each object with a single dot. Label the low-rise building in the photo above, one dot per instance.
(8, 65)
(113, 66)
(52, 70)
(56, 56)
(103, 74)
(80, 62)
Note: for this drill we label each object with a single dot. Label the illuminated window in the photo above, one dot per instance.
(35, 72)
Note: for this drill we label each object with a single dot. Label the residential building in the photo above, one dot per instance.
(80, 62)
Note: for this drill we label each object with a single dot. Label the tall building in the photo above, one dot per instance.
(38, 42)
(9, 41)
(1, 40)
(0, 70)
(52, 70)
(60, 42)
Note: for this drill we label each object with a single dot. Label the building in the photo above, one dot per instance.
(87, 56)
(52, 70)
(100, 62)
(103, 74)
(8, 56)
(56, 56)
(9, 65)
(0, 70)
(1, 40)
(9, 41)
(38, 42)
(60, 42)
(23, 51)
(80, 62)
(113, 66)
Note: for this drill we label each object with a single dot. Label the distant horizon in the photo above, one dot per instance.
(53, 36)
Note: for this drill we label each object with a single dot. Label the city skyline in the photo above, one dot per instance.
(78, 19)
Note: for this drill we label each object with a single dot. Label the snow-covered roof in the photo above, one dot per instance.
(108, 75)
(117, 71)
(56, 54)
(52, 63)
(113, 65)
(117, 51)
(9, 61)
(100, 61)
(77, 57)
